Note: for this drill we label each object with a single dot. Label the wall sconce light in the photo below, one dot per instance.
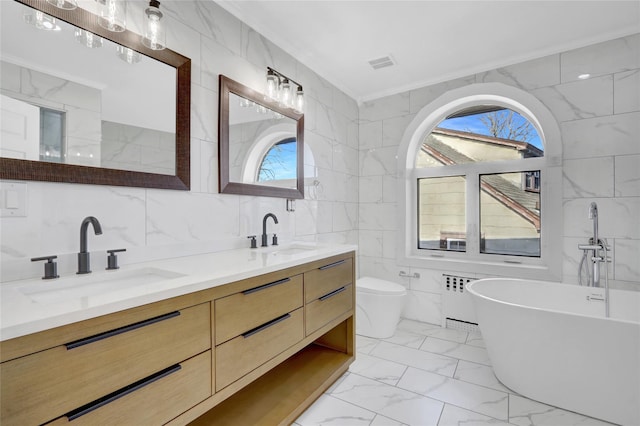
(87, 38)
(41, 21)
(279, 88)
(113, 15)
(154, 35)
(130, 56)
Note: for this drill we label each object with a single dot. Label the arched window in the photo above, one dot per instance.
(279, 162)
(480, 186)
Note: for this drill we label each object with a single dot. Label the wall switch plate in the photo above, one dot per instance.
(13, 199)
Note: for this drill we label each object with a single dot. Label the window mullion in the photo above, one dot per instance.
(472, 214)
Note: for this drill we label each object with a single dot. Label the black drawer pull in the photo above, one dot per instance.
(332, 265)
(120, 330)
(87, 408)
(266, 286)
(265, 326)
(333, 293)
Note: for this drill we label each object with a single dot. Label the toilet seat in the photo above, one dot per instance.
(377, 286)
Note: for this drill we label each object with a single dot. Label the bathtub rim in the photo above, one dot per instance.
(470, 288)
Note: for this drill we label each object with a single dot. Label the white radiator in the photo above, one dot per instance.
(457, 307)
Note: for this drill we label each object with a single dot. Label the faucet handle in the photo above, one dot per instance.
(254, 243)
(274, 242)
(112, 259)
(50, 268)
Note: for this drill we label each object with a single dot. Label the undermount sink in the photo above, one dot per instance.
(291, 249)
(100, 283)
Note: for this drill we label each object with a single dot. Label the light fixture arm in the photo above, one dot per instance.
(282, 76)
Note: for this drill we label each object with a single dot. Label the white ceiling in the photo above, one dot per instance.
(430, 41)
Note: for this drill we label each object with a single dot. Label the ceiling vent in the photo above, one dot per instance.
(383, 62)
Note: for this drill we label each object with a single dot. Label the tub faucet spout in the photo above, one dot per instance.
(264, 227)
(84, 266)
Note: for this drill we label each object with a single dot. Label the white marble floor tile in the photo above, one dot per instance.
(432, 330)
(462, 394)
(365, 344)
(382, 370)
(456, 416)
(328, 410)
(407, 338)
(389, 401)
(525, 412)
(475, 339)
(479, 374)
(416, 358)
(385, 421)
(456, 350)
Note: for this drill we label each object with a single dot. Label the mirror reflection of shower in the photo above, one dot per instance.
(596, 251)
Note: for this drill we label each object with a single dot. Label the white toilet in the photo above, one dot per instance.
(379, 304)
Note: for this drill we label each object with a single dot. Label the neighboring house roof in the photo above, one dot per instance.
(527, 149)
(512, 196)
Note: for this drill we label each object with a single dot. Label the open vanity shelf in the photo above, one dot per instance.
(257, 351)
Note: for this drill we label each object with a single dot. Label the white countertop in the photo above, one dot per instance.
(30, 306)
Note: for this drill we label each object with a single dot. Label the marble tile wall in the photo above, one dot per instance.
(599, 120)
(82, 105)
(154, 224)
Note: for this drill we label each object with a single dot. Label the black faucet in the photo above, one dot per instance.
(84, 266)
(264, 227)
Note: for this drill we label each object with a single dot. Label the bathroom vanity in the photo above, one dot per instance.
(255, 342)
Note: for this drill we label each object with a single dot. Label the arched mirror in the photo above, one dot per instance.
(260, 144)
(82, 104)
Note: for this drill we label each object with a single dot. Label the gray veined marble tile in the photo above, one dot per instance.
(364, 344)
(475, 339)
(525, 412)
(385, 421)
(377, 369)
(328, 410)
(456, 416)
(406, 338)
(416, 358)
(589, 177)
(627, 176)
(392, 402)
(479, 374)
(456, 350)
(462, 394)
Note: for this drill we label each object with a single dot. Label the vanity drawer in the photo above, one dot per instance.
(327, 307)
(47, 384)
(247, 310)
(327, 278)
(153, 400)
(246, 352)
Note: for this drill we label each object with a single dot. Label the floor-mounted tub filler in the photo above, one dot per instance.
(551, 342)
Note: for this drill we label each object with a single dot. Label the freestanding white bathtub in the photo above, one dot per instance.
(552, 343)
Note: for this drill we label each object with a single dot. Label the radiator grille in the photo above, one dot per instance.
(457, 307)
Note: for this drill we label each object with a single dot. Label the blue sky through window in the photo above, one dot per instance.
(279, 162)
(473, 123)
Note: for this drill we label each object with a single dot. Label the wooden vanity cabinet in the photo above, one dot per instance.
(42, 386)
(256, 351)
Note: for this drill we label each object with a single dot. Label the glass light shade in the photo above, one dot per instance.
(245, 103)
(88, 39)
(42, 21)
(64, 4)
(113, 15)
(272, 86)
(285, 93)
(128, 55)
(299, 102)
(154, 34)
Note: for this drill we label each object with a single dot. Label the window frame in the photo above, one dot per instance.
(549, 264)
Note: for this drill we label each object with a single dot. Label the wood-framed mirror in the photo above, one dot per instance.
(142, 140)
(261, 144)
